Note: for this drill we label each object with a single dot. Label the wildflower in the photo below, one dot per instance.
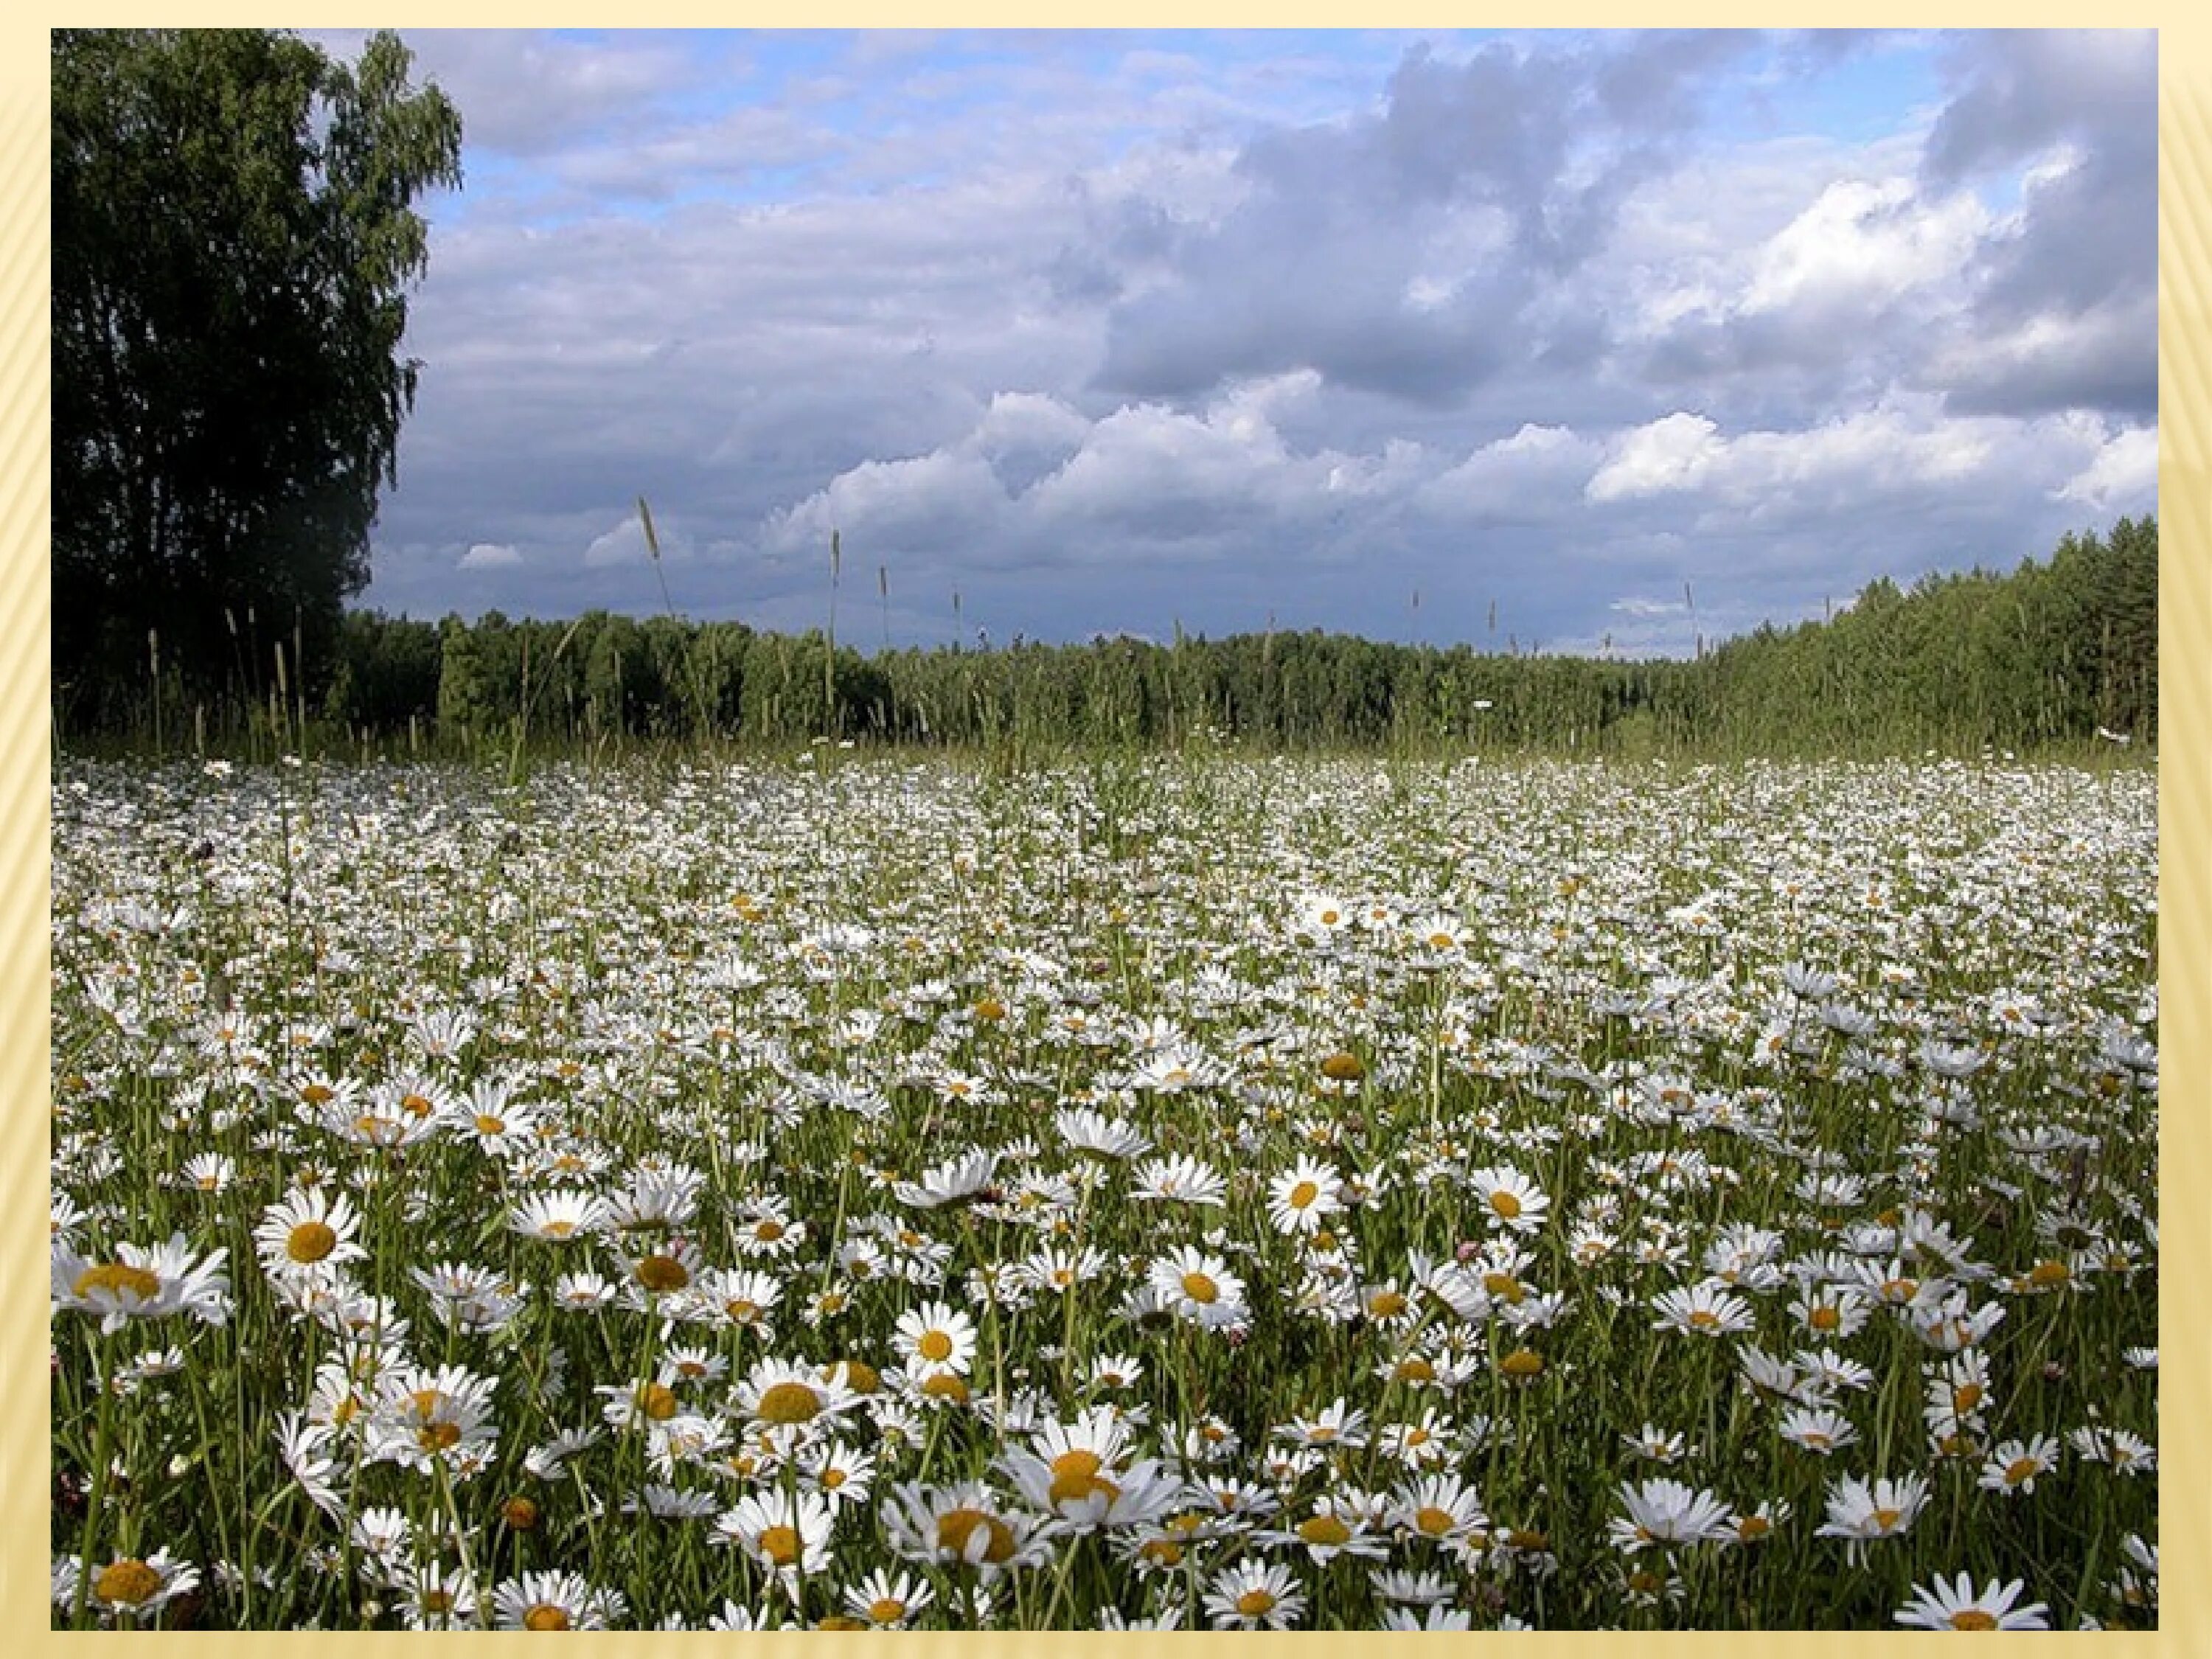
(135, 1587)
(1334, 1529)
(1338, 1423)
(954, 1181)
(1756, 1526)
(1958, 1606)
(1087, 1131)
(1701, 1310)
(841, 1474)
(1666, 1512)
(937, 1336)
(2014, 1466)
(1433, 1617)
(963, 1525)
(1818, 1429)
(782, 1394)
(560, 1216)
(888, 1602)
(422, 1417)
(1440, 1508)
(433, 1595)
(787, 1533)
(1860, 1512)
(1252, 1595)
(1656, 1445)
(1180, 1180)
(1198, 1286)
(1301, 1197)
(207, 1172)
(1511, 1199)
(143, 1282)
(554, 1601)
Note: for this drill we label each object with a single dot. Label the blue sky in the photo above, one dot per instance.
(1112, 331)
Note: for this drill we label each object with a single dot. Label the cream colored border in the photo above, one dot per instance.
(2185, 350)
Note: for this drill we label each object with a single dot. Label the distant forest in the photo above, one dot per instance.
(2047, 655)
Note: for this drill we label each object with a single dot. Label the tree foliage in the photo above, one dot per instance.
(233, 239)
(2048, 655)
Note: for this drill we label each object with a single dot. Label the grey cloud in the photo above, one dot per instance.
(2077, 275)
(1314, 267)
(2021, 90)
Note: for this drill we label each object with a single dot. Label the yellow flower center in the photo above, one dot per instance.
(935, 1347)
(955, 1529)
(119, 1279)
(1973, 1619)
(1965, 1397)
(767, 1232)
(310, 1241)
(1161, 1551)
(1302, 1195)
(886, 1610)
(316, 1094)
(1521, 1363)
(945, 1386)
(1704, 1319)
(1505, 1204)
(1754, 1526)
(1257, 1603)
(860, 1376)
(657, 1400)
(416, 1105)
(127, 1582)
(1075, 1476)
(1200, 1288)
(742, 1312)
(1343, 1067)
(545, 1616)
(561, 1228)
(789, 1402)
(2019, 1469)
(1825, 1318)
(1432, 1522)
(438, 1436)
(1415, 1370)
(1886, 1520)
(1528, 1540)
(1386, 1305)
(488, 1125)
(781, 1545)
(1324, 1530)
(660, 1274)
(2046, 1274)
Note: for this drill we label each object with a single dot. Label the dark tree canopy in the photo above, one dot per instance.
(233, 239)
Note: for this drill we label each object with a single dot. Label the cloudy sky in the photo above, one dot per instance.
(1615, 338)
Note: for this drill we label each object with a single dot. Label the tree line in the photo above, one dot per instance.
(2048, 655)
